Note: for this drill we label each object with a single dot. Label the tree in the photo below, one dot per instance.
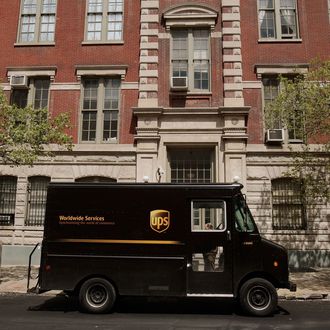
(303, 107)
(26, 133)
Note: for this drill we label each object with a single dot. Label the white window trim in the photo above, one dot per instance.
(99, 125)
(277, 26)
(190, 68)
(37, 31)
(190, 16)
(277, 71)
(104, 27)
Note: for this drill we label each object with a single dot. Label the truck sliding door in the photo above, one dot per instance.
(209, 269)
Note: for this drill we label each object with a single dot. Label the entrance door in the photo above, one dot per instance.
(209, 270)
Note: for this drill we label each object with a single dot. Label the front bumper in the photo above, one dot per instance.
(291, 286)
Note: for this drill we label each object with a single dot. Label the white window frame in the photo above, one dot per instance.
(191, 60)
(272, 71)
(31, 90)
(278, 36)
(37, 15)
(104, 11)
(99, 111)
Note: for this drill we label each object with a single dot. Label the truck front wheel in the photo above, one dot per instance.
(258, 297)
(97, 295)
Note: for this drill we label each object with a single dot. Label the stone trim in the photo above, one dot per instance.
(189, 15)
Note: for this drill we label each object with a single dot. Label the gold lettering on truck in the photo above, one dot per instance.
(159, 220)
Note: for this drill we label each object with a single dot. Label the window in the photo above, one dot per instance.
(278, 19)
(288, 204)
(37, 22)
(191, 58)
(271, 89)
(37, 195)
(36, 95)
(191, 166)
(208, 215)
(243, 219)
(104, 20)
(8, 186)
(100, 107)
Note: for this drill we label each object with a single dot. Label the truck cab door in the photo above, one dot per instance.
(209, 268)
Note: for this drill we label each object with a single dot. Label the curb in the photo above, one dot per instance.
(315, 296)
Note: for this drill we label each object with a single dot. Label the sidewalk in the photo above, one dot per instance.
(313, 284)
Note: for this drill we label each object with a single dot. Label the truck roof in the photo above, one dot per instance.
(230, 187)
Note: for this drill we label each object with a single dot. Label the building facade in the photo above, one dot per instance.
(163, 91)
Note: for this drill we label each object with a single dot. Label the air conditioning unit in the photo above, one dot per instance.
(19, 81)
(275, 135)
(180, 83)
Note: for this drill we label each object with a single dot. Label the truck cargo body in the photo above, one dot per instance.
(156, 240)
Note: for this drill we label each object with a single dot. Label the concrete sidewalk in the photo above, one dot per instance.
(311, 284)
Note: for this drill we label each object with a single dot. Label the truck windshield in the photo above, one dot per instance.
(243, 218)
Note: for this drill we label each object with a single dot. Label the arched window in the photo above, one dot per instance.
(36, 205)
(95, 179)
(288, 204)
(8, 187)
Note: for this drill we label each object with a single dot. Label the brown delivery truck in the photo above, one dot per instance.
(102, 241)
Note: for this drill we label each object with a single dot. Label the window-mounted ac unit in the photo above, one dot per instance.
(180, 83)
(19, 81)
(275, 135)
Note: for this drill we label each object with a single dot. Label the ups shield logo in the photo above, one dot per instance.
(159, 220)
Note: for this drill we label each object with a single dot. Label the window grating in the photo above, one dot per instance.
(191, 166)
(8, 187)
(37, 195)
(288, 204)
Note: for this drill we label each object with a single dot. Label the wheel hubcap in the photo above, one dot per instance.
(259, 298)
(97, 295)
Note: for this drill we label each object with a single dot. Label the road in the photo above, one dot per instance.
(45, 312)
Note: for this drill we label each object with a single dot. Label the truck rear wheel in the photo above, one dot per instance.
(97, 295)
(258, 297)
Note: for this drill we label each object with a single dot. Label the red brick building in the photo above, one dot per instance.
(162, 91)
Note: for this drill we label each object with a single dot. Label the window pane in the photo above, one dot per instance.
(266, 4)
(95, 6)
(180, 44)
(115, 27)
(209, 215)
(90, 94)
(19, 97)
(288, 23)
(41, 93)
(110, 124)
(37, 195)
(29, 7)
(201, 75)
(27, 28)
(115, 6)
(267, 24)
(191, 166)
(94, 27)
(89, 126)
(49, 7)
(8, 186)
(180, 68)
(47, 29)
(288, 3)
(288, 204)
(201, 44)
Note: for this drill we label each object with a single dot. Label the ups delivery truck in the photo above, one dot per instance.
(102, 241)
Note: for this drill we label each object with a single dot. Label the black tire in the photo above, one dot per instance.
(258, 297)
(97, 296)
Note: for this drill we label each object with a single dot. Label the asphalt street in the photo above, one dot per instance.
(59, 312)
